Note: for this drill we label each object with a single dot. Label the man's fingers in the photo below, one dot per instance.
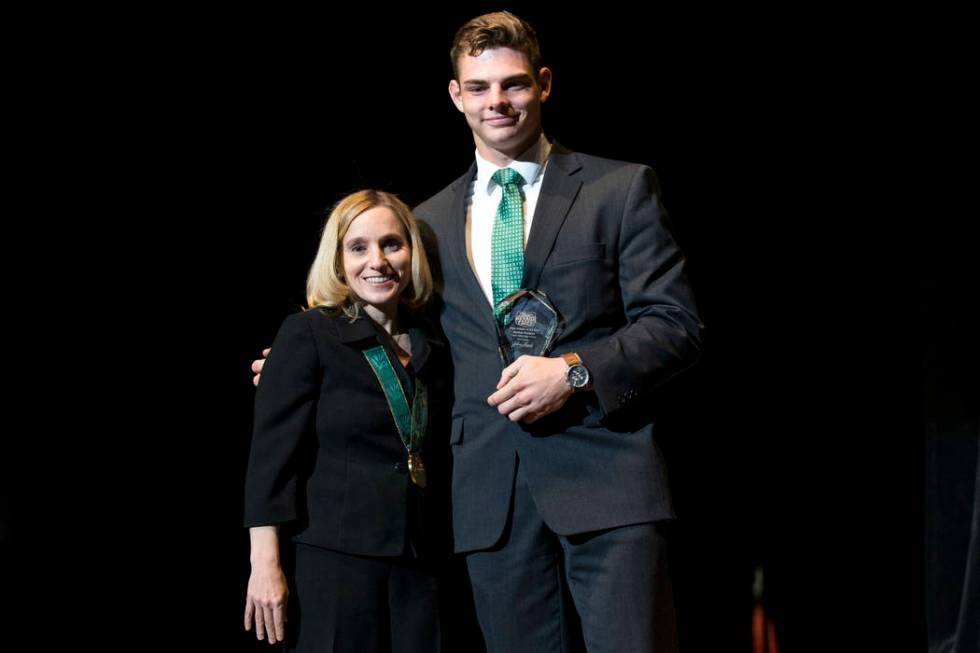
(520, 413)
(515, 403)
(505, 376)
(502, 396)
(510, 371)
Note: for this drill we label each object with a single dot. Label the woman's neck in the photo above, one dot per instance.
(386, 318)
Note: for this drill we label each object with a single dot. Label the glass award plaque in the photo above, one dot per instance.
(527, 323)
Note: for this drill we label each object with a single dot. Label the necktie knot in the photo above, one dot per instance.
(507, 176)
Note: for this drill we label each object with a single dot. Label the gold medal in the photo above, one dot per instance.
(416, 469)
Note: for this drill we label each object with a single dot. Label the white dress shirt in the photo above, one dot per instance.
(484, 196)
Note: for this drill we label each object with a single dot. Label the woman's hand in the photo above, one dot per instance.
(268, 594)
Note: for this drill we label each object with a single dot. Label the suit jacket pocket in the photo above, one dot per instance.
(457, 432)
(565, 255)
(581, 282)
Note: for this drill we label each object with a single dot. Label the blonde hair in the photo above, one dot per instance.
(325, 285)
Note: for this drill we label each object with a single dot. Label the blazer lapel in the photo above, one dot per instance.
(464, 274)
(353, 331)
(558, 192)
(457, 244)
(423, 339)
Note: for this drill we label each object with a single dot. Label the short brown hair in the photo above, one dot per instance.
(500, 29)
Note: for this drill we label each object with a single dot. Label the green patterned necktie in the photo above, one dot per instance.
(507, 242)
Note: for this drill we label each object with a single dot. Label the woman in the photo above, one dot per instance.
(348, 459)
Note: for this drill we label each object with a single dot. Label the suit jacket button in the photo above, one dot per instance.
(401, 467)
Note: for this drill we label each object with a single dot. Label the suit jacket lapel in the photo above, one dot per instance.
(558, 191)
(423, 339)
(464, 274)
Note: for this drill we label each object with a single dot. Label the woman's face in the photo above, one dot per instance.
(377, 258)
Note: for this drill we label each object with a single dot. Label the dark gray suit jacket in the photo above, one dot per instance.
(599, 247)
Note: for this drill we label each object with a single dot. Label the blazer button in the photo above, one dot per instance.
(401, 467)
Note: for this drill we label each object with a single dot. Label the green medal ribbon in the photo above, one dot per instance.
(411, 423)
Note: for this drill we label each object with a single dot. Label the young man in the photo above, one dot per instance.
(556, 470)
(557, 477)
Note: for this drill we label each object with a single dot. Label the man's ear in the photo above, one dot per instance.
(544, 81)
(455, 94)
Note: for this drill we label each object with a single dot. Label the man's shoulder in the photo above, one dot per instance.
(592, 164)
(604, 175)
(436, 205)
(439, 205)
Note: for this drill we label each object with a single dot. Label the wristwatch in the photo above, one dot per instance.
(577, 375)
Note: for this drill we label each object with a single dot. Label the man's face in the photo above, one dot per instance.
(501, 97)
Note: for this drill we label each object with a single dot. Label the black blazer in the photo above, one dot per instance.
(600, 248)
(326, 460)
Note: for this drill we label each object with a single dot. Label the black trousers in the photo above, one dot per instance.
(342, 603)
(617, 580)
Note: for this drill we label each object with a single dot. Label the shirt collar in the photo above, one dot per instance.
(528, 164)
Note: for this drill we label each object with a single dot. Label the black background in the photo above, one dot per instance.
(207, 147)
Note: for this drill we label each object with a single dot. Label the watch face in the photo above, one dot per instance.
(578, 376)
